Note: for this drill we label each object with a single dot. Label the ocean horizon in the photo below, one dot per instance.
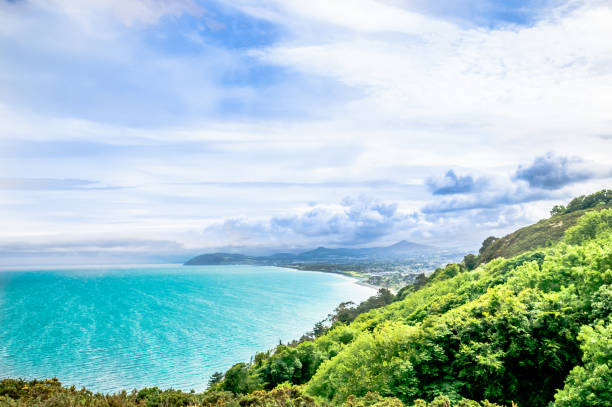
(122, 327)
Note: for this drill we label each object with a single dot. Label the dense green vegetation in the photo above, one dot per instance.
(533, 329)
(544, 233)
(50, 393)
(599, 199)
(507, 331)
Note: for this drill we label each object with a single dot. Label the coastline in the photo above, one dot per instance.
(260, 330)
(375, 287)
(358, 278)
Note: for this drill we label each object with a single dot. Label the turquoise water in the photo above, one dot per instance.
(173, 326)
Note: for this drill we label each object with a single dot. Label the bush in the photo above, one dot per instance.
(590, 384)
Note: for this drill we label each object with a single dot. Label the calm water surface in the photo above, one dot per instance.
(171, 326)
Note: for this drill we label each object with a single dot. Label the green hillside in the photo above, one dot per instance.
(541, 234)
(530, 330)
(508, 331)
(545, 232)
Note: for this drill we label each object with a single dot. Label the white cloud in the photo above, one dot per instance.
(366, 16)
(403, 96)
(44, 183)
(126, 12)
(356, 221)
(555, 73)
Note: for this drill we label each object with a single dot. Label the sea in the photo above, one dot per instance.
(171, 326)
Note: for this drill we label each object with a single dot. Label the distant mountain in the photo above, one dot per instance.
(398, 251)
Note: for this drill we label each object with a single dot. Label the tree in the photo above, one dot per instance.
(470, 261)
(590, 226)
(343, 312)
(589, 385)
(486, 243)
(319, 329)
(601, 198)
(419, 281)
(283, 366)
(215, 378)
(238, 380)
(557, 210)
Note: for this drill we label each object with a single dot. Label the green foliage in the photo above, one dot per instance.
(444, 401)
(470, 261)
(601, 303)
(487, 243)
(590, 384)
(419, 282)
(297, 362)
(282, 396)
(50, 393)
(590, 226)
(546, 232)
(35, 389)
(557, 210)
(283, 366)
(372, 399)
(511, 330)
(449, 271)
(319, 329)
(542, 234)
(239, 380)
(583, 202)
(505, 331)
(215, 378)
(346, 312)
(155, 397)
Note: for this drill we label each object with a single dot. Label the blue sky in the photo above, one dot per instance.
(138, 127)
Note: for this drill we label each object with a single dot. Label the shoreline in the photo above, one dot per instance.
(344, 288)
(358, 280)
(375, 287)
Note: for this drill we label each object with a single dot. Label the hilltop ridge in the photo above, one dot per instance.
(547, 231)
(398, 251)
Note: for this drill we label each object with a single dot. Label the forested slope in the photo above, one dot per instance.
(534, 329)
(508, 331)
(545, 232)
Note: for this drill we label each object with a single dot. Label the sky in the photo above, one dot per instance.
(152, 130)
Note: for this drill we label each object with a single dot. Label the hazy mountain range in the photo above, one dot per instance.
(399, 251)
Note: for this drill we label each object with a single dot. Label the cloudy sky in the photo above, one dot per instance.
(155, 129)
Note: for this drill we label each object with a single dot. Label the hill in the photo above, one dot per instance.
(391, 266)
(531, 330)
(545, 232)
(396, 252)
(541, 234)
